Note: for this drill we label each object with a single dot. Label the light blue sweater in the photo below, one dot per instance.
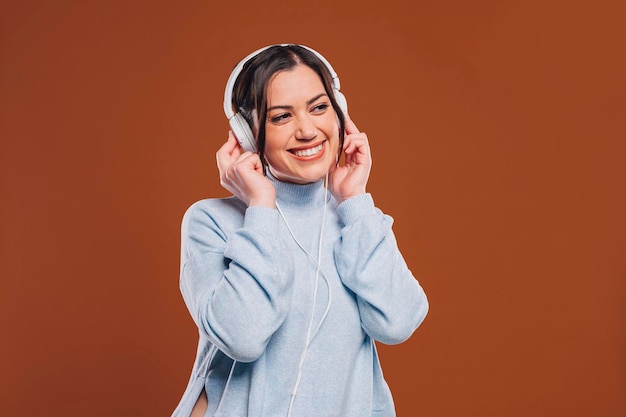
(249, 289)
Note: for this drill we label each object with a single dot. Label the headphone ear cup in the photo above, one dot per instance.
(242, 132)
(341, 101)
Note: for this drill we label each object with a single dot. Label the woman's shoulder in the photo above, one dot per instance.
(217, 204)
(214, 211)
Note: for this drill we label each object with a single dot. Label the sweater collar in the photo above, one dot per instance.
(298, 195)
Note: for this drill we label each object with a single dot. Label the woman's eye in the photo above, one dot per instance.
(280, 118)
(320, 108)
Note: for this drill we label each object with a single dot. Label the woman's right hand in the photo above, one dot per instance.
(242, 174)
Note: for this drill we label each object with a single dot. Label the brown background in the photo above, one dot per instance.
(497, 130)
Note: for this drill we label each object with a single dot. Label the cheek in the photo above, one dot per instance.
(336, 139)
(272, 139)
(335, 145)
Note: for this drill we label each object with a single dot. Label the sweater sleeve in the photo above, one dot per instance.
(236, 285)
(392, 304)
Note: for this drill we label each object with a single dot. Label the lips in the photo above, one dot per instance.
(309, 152)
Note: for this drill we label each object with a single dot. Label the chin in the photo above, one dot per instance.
(300, 178)
(306, 179)
(316, 175)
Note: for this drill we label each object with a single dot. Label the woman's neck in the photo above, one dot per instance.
(294, 195)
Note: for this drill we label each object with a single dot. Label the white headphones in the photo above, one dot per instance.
(238, 123)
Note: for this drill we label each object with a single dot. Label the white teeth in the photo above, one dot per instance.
(310, 151)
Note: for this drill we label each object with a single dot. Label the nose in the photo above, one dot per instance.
(306, 130)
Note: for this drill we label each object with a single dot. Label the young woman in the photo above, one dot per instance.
(292, 279)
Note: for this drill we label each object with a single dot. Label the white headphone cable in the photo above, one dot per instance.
(318, 270)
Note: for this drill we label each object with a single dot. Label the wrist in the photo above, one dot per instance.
(356, 207)
(264, 201)
(348, 196)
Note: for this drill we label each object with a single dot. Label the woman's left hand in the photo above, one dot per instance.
(350, 179)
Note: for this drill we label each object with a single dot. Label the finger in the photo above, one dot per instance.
(243, 156)
(232, 141)
(228, 152)
(229, 146)
(355, 142)
(258, 166)
(350, 126)
(247, 161)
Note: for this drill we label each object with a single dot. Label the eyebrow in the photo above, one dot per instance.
(308, 103)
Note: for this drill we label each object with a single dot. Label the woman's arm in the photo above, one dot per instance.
(392, 304)
(235, 275)
(236, 283)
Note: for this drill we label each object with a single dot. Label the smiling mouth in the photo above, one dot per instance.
(303, 153)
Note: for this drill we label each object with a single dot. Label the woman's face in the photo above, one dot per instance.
(301, 129)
